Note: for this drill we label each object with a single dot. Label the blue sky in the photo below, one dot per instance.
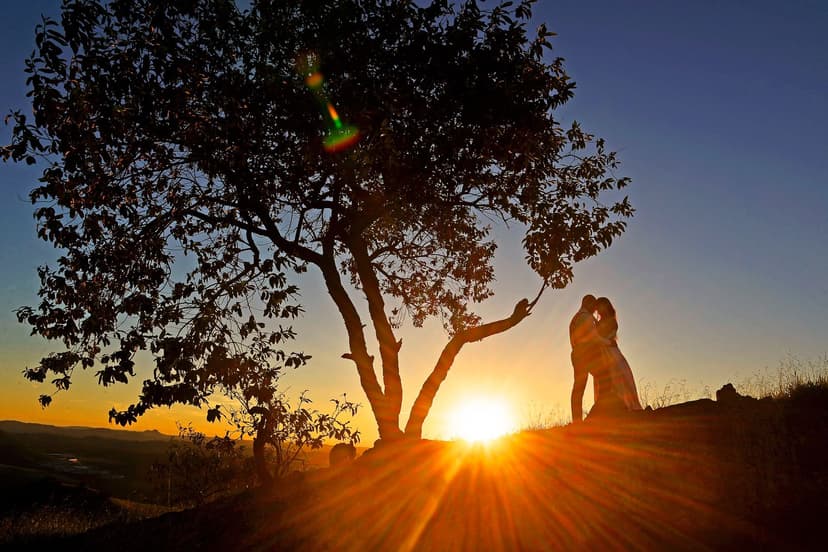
(718, 112)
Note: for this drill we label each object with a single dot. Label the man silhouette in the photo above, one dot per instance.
(586, 353)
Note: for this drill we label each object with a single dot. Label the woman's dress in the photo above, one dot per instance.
(616, 369)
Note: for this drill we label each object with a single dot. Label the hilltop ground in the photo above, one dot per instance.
(730, 474)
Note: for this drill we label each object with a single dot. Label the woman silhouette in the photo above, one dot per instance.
(614, 370)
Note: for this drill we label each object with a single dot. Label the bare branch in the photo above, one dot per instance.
(424, 400)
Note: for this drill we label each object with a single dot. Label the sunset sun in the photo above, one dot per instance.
(481, 420)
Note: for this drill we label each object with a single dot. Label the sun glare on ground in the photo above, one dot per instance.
(481, 420)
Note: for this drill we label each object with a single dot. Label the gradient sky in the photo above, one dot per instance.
(718, 111)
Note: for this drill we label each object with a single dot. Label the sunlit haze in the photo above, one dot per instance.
(481, 420)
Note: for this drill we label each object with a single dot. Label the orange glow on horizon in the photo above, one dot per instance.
(72, 411)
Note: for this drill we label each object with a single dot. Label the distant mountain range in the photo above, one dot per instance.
(14, 427)
(114, 461)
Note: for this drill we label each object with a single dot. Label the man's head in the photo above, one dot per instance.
(588, 303)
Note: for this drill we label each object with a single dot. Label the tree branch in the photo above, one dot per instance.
(422, 405)
(210, 219)
(272, 231)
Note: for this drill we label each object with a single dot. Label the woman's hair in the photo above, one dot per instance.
(608, 325)
(604, 306)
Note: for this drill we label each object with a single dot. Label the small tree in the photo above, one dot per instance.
(175, 128)
(282, 432)
(199, 468)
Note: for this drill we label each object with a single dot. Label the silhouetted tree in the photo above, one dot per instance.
(199, 468)
(283, 430)
(181, 131)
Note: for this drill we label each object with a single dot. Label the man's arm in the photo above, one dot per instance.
(577, 399)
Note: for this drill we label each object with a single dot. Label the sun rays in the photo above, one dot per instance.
(631, 486)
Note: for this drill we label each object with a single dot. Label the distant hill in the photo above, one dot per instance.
(15, 427)
(113, 461)
(14, 453)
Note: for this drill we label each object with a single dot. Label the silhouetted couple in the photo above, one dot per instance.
(595, 352)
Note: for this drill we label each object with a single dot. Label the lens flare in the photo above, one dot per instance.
(340, 136)
(334, 116)
(314, 81)
(340, 139)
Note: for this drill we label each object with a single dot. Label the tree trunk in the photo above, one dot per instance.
(389, 347)
(389, 427)
(259, 461)
(388, 422)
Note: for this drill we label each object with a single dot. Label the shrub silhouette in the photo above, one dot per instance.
(341, 454)
(199, 469)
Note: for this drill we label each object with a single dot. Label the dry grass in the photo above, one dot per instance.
(537, 417)
(791, 375)
(49, 520)
(673, 392)
(66, 518)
